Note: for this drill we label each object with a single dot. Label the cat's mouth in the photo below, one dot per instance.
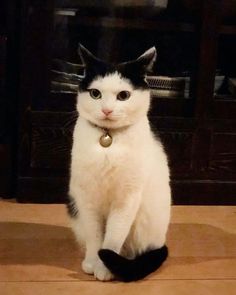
(108, 118)
(109, 122)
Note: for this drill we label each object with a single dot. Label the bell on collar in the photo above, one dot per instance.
(106, 139)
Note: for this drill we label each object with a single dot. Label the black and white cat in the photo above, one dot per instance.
(119, 188)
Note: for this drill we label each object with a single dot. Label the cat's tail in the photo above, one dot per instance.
(135, 269)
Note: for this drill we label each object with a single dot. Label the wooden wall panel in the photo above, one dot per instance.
(178, 146)
(222, 162)
(51, 139)
(50, 147)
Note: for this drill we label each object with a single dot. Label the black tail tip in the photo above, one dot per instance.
(164, 252)
(135, 269)
(105, 254)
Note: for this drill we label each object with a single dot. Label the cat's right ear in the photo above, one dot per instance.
(86, 56)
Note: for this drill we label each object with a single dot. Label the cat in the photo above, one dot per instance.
(119, 192)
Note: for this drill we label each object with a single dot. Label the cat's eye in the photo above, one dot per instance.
(123, 95)
(95, 93)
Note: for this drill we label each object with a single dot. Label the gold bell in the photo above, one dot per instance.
(105, 140)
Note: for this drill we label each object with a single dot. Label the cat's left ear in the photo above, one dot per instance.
(87, 57)
(93, 65)
(147, 59)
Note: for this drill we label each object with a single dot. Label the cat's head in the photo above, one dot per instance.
(114, 96)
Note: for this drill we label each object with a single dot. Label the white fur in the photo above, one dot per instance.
(122, 191)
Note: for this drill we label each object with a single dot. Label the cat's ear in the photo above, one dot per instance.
(93, 65)
(140, 66)
(86, 56)
(147, 59)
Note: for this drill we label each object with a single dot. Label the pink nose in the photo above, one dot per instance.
(107, 111)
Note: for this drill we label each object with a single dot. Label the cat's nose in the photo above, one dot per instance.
(107, 111)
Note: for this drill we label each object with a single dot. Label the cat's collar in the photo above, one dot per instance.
(106, 139)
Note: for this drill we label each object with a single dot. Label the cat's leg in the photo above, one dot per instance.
(148, 233)
(118, 226)
(88, 228)
(151, 223)
(93, 236)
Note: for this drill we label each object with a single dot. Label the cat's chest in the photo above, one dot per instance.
(105, 162)
(106, 165)
(90, 149)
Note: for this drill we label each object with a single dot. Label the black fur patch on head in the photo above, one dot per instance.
(100, 69)
(134, 74)
(134, 70)
(72, 208)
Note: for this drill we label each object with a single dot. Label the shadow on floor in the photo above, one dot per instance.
(41, 244)
(33, 244)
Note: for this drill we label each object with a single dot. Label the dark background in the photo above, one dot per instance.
(194, 39)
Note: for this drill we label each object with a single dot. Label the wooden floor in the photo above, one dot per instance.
(38, 255)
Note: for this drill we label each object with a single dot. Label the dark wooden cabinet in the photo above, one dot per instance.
(198, 129)
(6, 109)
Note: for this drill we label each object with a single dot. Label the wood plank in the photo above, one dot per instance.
(122, 23)
(167, 287)
(69, 269)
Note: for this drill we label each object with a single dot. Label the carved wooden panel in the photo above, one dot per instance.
(5, 169)
(51, 139)
(177, 136)
(50, 147)
(222, 162)
(178, 145)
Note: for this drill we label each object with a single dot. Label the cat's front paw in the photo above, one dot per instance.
(102, 273)
(88, 265)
